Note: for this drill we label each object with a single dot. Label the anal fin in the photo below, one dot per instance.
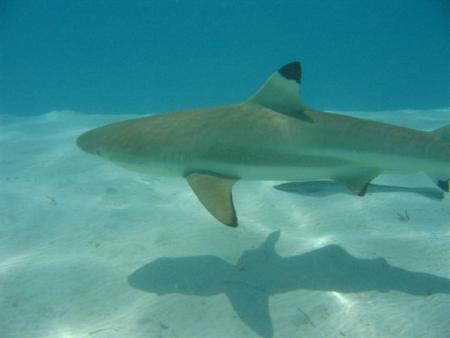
(215, 193)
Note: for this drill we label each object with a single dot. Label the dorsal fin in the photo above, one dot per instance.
(281, 91)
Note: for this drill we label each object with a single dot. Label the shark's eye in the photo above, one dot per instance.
(98, 152)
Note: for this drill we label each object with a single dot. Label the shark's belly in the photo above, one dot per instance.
(252, 165)
(289, 162)
(277, 172)
(286, 169)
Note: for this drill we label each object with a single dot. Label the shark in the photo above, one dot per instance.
(273, 135)
(261, 273)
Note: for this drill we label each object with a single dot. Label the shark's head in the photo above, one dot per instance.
(124, 144)
(92, 142)
(106, 142)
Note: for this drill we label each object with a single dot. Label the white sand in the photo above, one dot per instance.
(74, 227)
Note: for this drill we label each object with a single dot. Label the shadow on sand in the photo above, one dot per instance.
(261, 272)
(326, 188)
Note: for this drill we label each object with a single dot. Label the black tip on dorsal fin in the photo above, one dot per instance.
(280, 92)
(291, 71)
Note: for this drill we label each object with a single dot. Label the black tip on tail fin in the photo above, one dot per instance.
(444, 185)
(292, 71)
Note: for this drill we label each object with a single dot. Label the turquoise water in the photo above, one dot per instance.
(151, 56)
(88, 249)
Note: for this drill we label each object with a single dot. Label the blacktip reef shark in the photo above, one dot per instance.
(261, 273)
(272, 135)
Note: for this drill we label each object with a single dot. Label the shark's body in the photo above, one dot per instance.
(261, 273)
(271, 136)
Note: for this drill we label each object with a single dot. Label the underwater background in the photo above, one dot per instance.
(88, 249)
(109, 56)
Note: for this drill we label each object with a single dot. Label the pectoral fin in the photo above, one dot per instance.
(214, 191)
(358, 183)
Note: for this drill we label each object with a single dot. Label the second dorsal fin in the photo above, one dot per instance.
(443, 133)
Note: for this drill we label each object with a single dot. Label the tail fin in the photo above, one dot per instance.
(444, 185)
(441, 183)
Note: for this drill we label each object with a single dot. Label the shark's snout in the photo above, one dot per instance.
(89, 143)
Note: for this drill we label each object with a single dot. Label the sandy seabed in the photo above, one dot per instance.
(88, 249)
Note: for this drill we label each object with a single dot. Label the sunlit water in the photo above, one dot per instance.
(91, 250)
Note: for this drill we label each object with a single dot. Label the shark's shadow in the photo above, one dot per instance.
(325, 188)
(261, 273)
